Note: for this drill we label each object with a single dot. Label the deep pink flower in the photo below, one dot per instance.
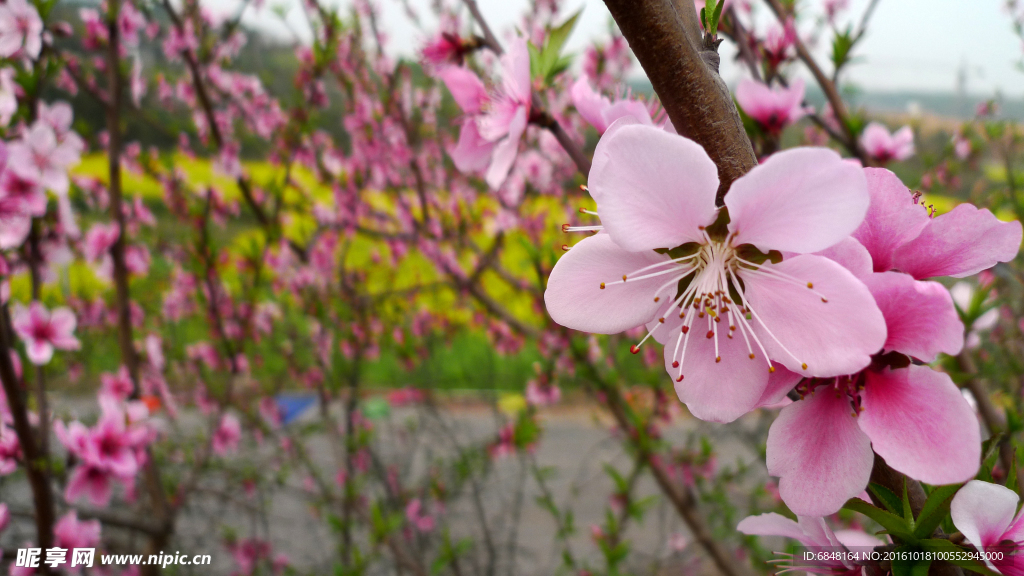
(99, 239)
(910, 415)
(885, 147)
(108, 452)
(228, 434)
(70, 532)
(899, 234)
(495, 122)
(117, 385)
(600, 111)
(446, 48)
(43, 331)
(21, 29)
(772, 108)
(813, 533)
(986, 514)
(417, 516)
(804, 312)
(778, 43)
(41, 156)
(5, 516)
(538, 394)
(21, 195)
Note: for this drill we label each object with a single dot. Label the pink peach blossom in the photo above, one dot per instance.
(772, 108)
(43, 331)
(227, 436)
(814, 533)
(899, 233)
(600, 111)
(822, 447)
(70, 532)
(986, 514)
(21, 29)
(885, 147)
(805, 313)
(495, 121)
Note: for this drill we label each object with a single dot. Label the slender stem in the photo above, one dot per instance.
(35, 462)
(995, 422)
(827, 86)
(129, 357)
(117, 250)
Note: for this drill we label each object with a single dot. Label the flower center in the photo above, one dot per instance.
(704, 288)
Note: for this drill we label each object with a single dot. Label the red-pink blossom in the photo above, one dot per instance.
(600, 111)
(495, 122)
(986, 514)
(227, 435)
(21, 29)
(885, 147)
(772, 108)
(899, 233)
(815, 534)
(43, 331)
(69, 532)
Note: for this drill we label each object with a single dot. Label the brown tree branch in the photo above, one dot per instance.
(694, 96)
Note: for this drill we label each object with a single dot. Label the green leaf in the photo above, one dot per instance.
(535, 62)
(908, 512)
(549, 60)
(717, 17)
(934, 510)
(990, 452)
(893, 524)
(376, 408)
(891, 502)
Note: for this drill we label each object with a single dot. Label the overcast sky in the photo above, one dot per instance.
(911, 45)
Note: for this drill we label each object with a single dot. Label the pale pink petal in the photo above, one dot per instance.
(590, 104)
(505, 152)
(13, 231)
(780, 383)
(473, 152)
(919, 316)
(515, 69)
(831, 338)
(467, 89)
(772, 524)
(960, 243)
(800, 200)
(982, 511)
(893, 217)
(574, 297)
(717, 391)
(903, 143)
(653, 189)
(63, 320)
(21, 320)
(628, 109)
(820, 454)
(849, 254)
(857, 539)
(755, 99)
(920, 423)
(39, 352)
